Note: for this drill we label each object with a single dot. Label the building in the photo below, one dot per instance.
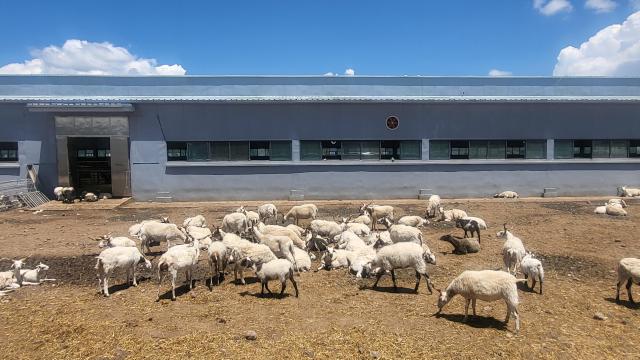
(259, 137)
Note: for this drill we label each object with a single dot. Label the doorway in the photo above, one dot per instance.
(90, 164)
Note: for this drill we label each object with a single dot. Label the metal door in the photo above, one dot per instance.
(120, 172)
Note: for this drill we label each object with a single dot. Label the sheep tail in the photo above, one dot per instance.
(98, 263)
(162, 266)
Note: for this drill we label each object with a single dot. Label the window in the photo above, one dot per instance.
(219, 150)
(280, 151)
(439, 150)
(331, 150)
(515, 149)
(619, 149)
(176, 151)
(8, 151)
(459, 149)
(104, 153)
(536, 149)
(600, 149)
(351, 150)
(198, 151)
(238, 150)
(310, 150)
(259, 150)
(496, 149)
(563, 149)
(410, 150)
(85, 153)
(370, 150)
(227, 150)
(582, 149)
(477, 149)
(634, 148)
(389, 150)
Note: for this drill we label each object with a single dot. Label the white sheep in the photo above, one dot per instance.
(615, 210)
(357, 228)
(301, 212)
(617, 201)
(282, 246)
(433, 206)
(359, 258)
(481, 223)
(291, 233)
(89, 197)
(377, 212)
(349, 241)
(113, 258)
(178, 257)
(532, 267)
(200, 233)
(381, 238)
(57, 192)
(235, 223)
(403, 233)
(507, 195)
(512, 250)
(279, 269)
(413, 220)
(267, 211)
(630, 192)
(404, 255)
(240, 248)
(12, 279)
(364, 219)
(335, 259)
(252, 217)
(134, 230)
(303, 260)
(35, 276)
(218, 257)
(452, 215)
(325, 228)
(485, 285)
(152, 233)
(110, 241)
(197, 220)
(297, 229)
(629, 272)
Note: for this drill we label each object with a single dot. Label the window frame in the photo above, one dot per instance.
(460, 145)
(9, 151)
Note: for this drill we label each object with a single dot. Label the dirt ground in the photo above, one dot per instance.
(335, 316)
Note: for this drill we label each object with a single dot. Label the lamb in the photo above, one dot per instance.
(469, 225)
(413, 220)
(630, 192)
(267, 211)
(252, 217)
(629, 272)
(481, 223)
(12, 279)
(486, 285)
(303, 260)
(433, 206)
(298, 212)
(377, 212)
(235, 223)
(154, 233)
(198, 221)
(507, 195)
(281, 246)
(462, 246)
(402, 256)
(35, 276)
(178, 257)
(240, 248)
(403, 233)
(279, 269)
(451, 215)
(532, 267)
(283, 231)
(324, 228)
(512, 251)
(617, 201)
(218, 256)
(113, 258)
(107, 241)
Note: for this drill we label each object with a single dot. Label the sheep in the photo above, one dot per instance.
(413, 220)
(379, 239)
(617, 201)
(113, 258)
(199, 233)
(35, 276)
(154, 232)
(377, 212)
(486, 285)
(335, 259)
(469, 225)
(356, 228)
(629, 272)
(324, 228)
(89, 197)
(451, 215)
(402, 256)
(296, 229)
(600, 210)
(532, 267)
(507, 195)
(68, 194)
(433, 206)
(281, 246)
(306, 211)
(134, 230)
(178, 257)
(279, 269)
(315, 243)
(282, 231)
(235, 223)
(630, 192)
(267, 211)
(197, 220)
(403, 233)
(364, 219)
(218, 257)
(359, 258)
(512, 250)
(348, 241)
(240, 248)
(615, 210)
(57, 192)
(252, 217)
(481, 223)
(303, 260)
(110, 241)
(12, 279)
(462, 246)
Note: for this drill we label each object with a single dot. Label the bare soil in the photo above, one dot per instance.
(335, 315)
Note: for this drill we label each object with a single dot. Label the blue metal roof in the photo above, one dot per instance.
(54, 89)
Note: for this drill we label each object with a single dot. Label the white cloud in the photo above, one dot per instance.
(613, 51)
(89, 58)
(552, 7)
(349, 72)
(329, 74)
(601, 6)
(496, 72)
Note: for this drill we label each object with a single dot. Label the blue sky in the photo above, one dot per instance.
(452, 37)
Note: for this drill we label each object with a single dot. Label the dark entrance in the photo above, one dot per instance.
(90, 164)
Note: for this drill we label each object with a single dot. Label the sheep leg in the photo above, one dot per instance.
(105, 284)
(160, 278)
(133, 275)
(211, 274)
(466, 309)
(295, 285)
(378, 276)
(393, 278)
(417, 281)
(618, 285)
(262, 290)
(283, 285)
(541, 285)
(473, 305)
(629, 283)
(100, 285)
(533, 283)
(427, 279)
(266, 286)
(174, 274)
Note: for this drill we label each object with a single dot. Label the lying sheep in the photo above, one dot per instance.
(364, 219)
(377, 212)
(629, 272)
(12, 279)
(279, 269)
(296, 229)
(303, 260)
(413, 220)
(532, 267)
(200, 233)
(402, 255)
(451, 215)
(113, 258)
(512, 250)
(462, 246)
(178, 257)
(266, 212)
(89, 197)
(486, 285)
(615, 210)
(35, 276)
(301, 212)
(433, 206)
(630, 192)
(325, 228)
(358, 260)
(379, 239)
(198, 221)
(356, 228)
(334, 259)
(106, 241)
(617, 201)
(469, 226)
(348, 240)
(403, 233)
(235, 223)
(507, 195)
(291, 233)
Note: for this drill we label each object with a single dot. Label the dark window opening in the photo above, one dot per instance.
(459, 149)
(390, 150)
(582, 149)
(331, 150)
(515, 149)
(259, 150)
(8, 151)
(634, 148)
(176, 151)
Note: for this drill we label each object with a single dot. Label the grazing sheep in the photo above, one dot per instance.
(630, 192)
(303, 260)
(629, 272)
(469, 225)
(486, 285)
(281, 246)
(68, 194)
(57, 192)
(301, 212)
(403, 233)
(218, 257)
(134, 230)
(532, 267)
(481, 223)
(178, 257)
(152, 233)
(240, 248)
(507, 195)
(451, 215)
(113, 258)
(35, 276)
(197, 221)
(617, 201)
(110, 241)
(291, 233)
(235, 223)
(433, 206)
(615, 210)
(377, 212)
(402, 256)
(252, 217)
(279, 269)
(462, 246)
(512, 250)
(267, 211)
(413, 220)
